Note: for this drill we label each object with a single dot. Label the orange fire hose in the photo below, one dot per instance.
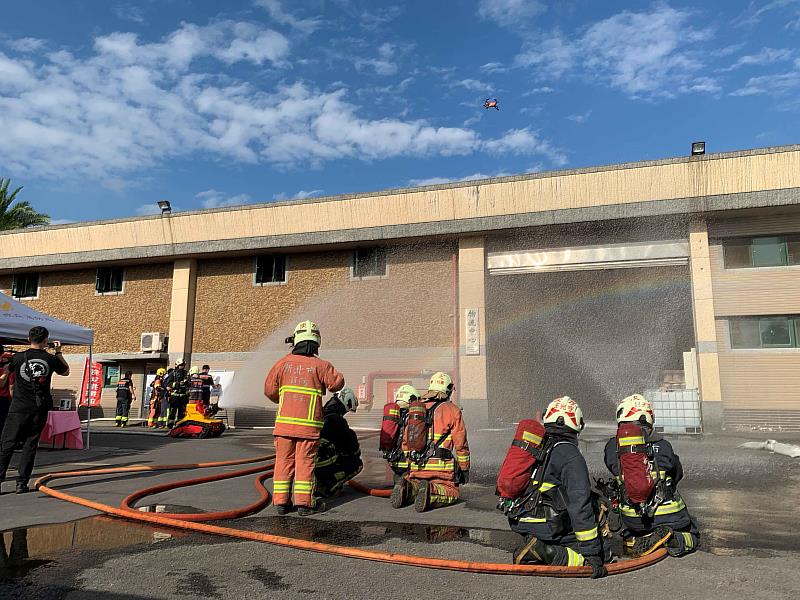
(189, 524)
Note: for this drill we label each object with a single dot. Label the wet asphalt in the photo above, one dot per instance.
(745, 502)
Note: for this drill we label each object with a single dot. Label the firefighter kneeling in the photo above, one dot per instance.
(339, 455)
(646, 473)
(547, 495)
(395, 415)
(435, 440)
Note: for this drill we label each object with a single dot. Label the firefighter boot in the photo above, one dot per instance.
(399, 497)
(647, 544)
(535, 551)
(306, 511)
(283, 509)
(423, 499)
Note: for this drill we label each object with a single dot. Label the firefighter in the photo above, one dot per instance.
(163, 415)
(562, 526)
(433, 481)
(339, 455)
(297, 383)
(670, 521)
(195, 394)
(177, 385)
(126, 394)
(208, 384)
(398, 461)
(156, 398)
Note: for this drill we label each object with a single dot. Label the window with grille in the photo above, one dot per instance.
(271, 268)
(25, 285)
(109, 280)
(369, 262)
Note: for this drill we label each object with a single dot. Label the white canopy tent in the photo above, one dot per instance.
(16, 320)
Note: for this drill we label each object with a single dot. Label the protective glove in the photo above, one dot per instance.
(598, 568)
(464, 477)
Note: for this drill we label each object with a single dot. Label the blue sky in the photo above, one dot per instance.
(107, 106)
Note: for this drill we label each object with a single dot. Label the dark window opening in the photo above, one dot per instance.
(109, 280)
(271, 269)
(25, 285)
(767, 251)
(369, 262)
(764, 332)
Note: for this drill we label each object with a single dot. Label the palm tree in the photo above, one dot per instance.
(21, 215)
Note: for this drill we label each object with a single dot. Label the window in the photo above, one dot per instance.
(109, 280)
(271, 268)
(25, 285)
(768, 251)
(369, 262)
(764, 332)
(110, 375)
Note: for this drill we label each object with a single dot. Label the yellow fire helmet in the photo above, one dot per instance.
(635, 409)
(194, 371)
(405, 394)
(567, 410)
(441, 382)
(307, 331)
(161, 372)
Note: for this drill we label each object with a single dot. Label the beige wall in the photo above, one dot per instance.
(118, 320)
(708, 176)
(756, 379)
(411, 307)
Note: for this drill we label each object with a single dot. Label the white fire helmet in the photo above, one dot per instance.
(635, 409)
(566, 409)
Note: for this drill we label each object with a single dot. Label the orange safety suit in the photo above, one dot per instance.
(440, 471)
(298, 383)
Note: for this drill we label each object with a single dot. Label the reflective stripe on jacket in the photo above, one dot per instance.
(447, 419)
(297, 383)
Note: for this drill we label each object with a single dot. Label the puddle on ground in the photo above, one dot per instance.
(22, 550)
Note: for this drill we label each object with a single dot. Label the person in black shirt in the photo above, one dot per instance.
(33, 369)
(208, 384)
(126, 394)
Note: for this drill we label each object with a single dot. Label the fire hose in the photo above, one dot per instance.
(192, 522)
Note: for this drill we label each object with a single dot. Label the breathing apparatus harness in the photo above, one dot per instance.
(433, 448)
(529, 501)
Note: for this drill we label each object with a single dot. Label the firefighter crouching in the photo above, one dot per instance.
(177, 384)
(339, 455)
(435, 440)
(297, 383)
(659, 515)
(395, 415)
(156, 399)
(560, 520)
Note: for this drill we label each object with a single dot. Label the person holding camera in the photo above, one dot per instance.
(33, 369)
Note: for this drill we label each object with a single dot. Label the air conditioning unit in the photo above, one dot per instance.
(153, 342)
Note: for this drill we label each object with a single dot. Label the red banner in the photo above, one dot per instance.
(95, 386)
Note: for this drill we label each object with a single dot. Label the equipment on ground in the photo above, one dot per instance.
(567, 411)
(198, 423)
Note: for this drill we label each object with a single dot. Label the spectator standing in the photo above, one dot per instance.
(33, 371)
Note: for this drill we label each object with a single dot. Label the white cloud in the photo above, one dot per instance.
(27, 44)
(148, 209)
(384, 64)
(301, 195)
(765, 56)
(276, 12)
(474, 85)
(214, 199)
(440, 180)
(61, 221)
(776, 84)
(378, 18)
(509, 12)
(493, 67)
(132, 105)
(129, 12)
(756, 11)
(651, 53)
(545, 89)
(580, 118)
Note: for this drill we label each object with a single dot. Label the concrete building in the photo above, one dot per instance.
(680, 277)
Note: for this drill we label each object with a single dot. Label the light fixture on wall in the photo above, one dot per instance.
(698, 148)
(165, 207)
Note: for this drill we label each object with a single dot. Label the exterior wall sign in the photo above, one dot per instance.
(473, 331)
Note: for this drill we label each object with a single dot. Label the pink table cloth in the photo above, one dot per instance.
(64, 427)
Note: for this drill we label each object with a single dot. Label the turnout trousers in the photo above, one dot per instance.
(443, 492)
(123, 408)
(294, 470)
(21, 428)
